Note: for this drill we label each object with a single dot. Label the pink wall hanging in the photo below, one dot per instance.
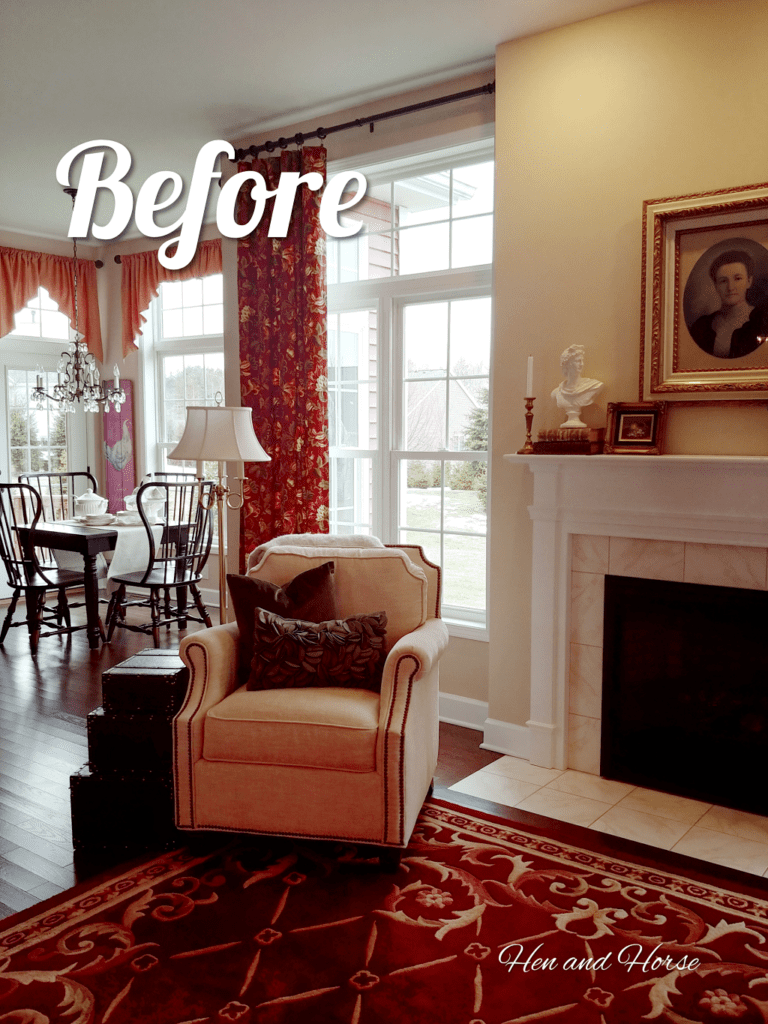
(118, 449)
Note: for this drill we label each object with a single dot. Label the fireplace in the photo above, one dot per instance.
(685, 700)
(679, 519)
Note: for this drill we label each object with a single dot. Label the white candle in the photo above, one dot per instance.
(117, 376)
(529, 379)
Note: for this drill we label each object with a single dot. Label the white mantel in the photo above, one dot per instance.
(707, 500)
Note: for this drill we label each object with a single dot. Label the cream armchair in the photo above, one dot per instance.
(327, 763)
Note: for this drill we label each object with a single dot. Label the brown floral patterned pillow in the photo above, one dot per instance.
(339, 652)
(311, 595)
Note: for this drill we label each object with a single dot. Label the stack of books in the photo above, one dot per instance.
(570, 441)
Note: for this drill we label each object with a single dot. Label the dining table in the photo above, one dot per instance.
(70, 537)
(89, 542)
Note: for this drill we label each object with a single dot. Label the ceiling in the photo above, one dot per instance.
(163, 77)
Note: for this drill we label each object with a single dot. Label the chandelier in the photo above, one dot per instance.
(79, 379)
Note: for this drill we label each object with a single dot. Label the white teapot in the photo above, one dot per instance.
(90, 504)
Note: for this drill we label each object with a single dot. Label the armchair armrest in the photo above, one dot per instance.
(425, 645)
(409, 724)
(211, 656)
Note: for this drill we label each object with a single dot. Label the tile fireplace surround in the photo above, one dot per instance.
(692, 519)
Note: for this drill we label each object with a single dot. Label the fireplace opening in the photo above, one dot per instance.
(685, 690)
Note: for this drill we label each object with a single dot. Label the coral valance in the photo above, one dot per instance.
(23, 272)
(142, 276)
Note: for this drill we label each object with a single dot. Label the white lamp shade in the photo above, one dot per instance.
(219, 433)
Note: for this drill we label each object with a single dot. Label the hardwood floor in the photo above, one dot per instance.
(43, 705)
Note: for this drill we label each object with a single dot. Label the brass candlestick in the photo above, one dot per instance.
(527, 448)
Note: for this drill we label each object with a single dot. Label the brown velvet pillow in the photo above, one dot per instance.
(311, 596)
(292, 653)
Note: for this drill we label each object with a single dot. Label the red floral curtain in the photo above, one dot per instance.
(23, 271)
(283, 360)
(142, 276)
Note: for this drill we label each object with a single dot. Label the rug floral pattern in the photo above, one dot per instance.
(484, 923)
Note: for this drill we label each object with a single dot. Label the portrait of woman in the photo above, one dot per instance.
(733, 295)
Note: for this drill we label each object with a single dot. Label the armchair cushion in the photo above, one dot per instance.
(311, 595)
(335, 729)
(292, 653)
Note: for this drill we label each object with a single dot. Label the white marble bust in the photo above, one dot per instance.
(574, 392)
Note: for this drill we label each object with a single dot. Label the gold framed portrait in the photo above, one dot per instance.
(704, 314)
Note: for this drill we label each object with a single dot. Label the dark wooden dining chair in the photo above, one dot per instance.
(176, 561)
(32, 570)
(58, 491)
(180, 476)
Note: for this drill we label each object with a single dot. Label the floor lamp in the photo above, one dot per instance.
(220, 433)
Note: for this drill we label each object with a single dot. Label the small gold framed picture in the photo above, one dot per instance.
(635, 428)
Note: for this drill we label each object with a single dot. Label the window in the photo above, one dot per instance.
(182, 361)
(409, 341)
(41, 318)
(37, 440)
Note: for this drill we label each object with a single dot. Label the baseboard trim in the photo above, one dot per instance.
(506, 738)
(463, 711)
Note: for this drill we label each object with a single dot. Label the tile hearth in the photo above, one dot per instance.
(718, 835)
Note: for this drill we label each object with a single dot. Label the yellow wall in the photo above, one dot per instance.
(592, 119)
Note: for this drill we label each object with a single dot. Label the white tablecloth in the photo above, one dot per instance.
(130, 554)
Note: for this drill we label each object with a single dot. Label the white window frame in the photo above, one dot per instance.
(153, 349)
(387, 296)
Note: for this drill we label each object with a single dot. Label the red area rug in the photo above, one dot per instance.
(484, 923)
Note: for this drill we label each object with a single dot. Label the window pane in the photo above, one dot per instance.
(351, 494)
(464, 503)
(44, 300)
(194, 379)
(54, 325)
(423, 199)
(352, 394)
(430, 542)
(173, 323)
(173, 377)
(214, 375)
(171, 293)
(468, 414)
(470, 336)
(423, 249)
(175, 418)
(425, 415)
(464, 569)
(425, 339)
(213, 288)
(192, 292)
(472, 242)
(213, 319)
(473, 189)
(420, 494)
(27, 321)
(193, 321)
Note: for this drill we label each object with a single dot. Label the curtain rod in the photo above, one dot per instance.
(301, 137)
